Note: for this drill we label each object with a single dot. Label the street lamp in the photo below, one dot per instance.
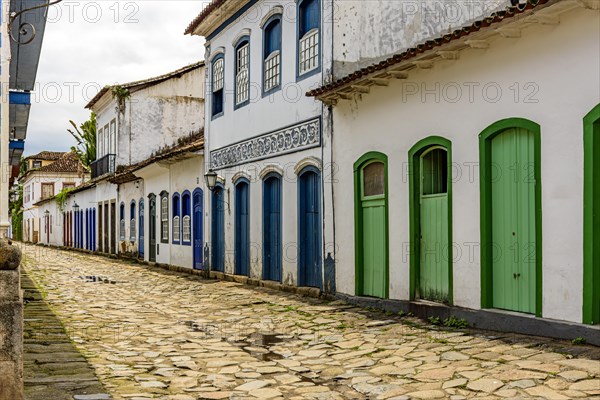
(46, 213)
(75, 206)
(211, 179)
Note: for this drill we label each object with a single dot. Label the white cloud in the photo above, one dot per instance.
(95, 43)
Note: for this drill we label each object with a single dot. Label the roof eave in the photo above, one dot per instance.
(361, 81)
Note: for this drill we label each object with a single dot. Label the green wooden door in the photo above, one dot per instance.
(433, 207)
(374, 231)
(513, 220)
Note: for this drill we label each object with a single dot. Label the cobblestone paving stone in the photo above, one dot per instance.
(150, 333)
(53, 368)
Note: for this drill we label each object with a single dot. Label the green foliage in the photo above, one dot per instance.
(120, 94)
(85, 136)
(62, 197)
(22, 166)
(579, 341)
(434, 320)
(454, 322)
(16, 212)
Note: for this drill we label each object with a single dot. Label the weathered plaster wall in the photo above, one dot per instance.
(369, 31)
(11, 324)
(556, 90)
(157, 117)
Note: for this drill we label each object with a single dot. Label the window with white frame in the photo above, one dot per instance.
(132, 226)
(308, 29)
(122, 221)
(242, 65)
(186, 220)
(164, 218)
(100, 144)
(106, 139)
(176, 220)
(272, 54)
(218, 83)
(187, 233)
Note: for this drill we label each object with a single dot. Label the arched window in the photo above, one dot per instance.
(132, 225)
(272, 54)
(176, 220)
(187, 219)
(309, 22)
(122, 221)
(242, 68)
(218, 83)
(164, 217)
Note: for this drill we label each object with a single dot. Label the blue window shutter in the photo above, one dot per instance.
(272, 37)
(309, 16)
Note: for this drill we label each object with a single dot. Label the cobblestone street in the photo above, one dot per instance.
(151, 333)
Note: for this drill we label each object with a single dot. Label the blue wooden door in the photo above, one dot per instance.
(152, 227)
(218, 230)
(309, 230)
(272, 228)
(141, 229)
(197, 229)
(242, 229)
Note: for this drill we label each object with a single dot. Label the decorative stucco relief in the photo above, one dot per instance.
(304, 135)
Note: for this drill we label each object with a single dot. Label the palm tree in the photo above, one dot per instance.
(85, 136)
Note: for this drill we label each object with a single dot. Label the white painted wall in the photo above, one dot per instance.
(389, 120)
(285, 107)
(187, 174)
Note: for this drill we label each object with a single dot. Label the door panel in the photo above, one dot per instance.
(272, 229)
(374, 247)
(218, 230)
(141, 230)
(242, 229)
(309, 220)
(513, 220)
(113, 228)
(197, 230)
(152, 228)
(433, 273)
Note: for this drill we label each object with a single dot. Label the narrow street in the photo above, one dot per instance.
(151, 333)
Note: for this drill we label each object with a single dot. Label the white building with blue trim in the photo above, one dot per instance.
(268, 142)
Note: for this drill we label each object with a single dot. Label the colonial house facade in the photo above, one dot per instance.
(147, 177)
(48, 173)
(268, 143)
(468, 171)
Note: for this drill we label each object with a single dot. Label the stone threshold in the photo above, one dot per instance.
(484, 319)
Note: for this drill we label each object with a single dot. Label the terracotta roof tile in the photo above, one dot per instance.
(418, 49)
(47, 155)
(212, 6)
(67, 163)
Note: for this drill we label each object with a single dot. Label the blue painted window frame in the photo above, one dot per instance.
(242, 41)
(213, 95)
(175, 204)
(299, 35)
(264, 55)
(186, 206)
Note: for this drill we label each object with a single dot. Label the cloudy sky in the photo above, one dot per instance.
(89, 44)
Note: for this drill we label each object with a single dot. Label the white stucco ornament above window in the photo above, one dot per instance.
(304, 135)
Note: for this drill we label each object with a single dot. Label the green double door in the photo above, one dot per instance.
(373, 215)
(434, 252)
(513, 220)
